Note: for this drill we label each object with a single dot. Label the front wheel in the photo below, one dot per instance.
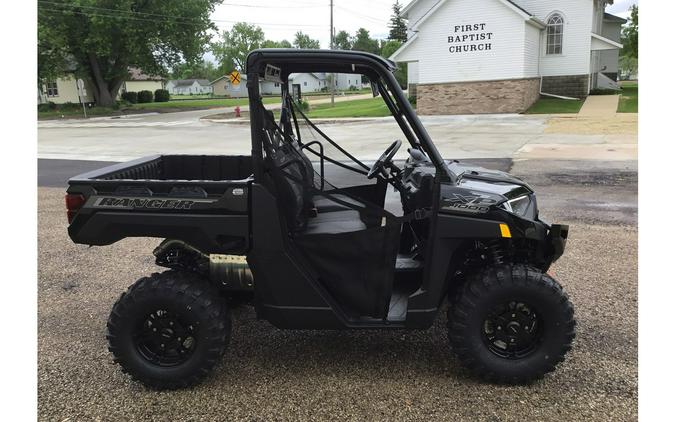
(169, 330)
(511, 324)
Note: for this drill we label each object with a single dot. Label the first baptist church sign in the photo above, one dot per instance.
(473, 37)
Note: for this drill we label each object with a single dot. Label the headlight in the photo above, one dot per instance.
(520, 206)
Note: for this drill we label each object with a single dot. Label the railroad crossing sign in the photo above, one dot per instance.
(235, 77)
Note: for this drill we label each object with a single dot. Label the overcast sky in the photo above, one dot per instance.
(282, 19)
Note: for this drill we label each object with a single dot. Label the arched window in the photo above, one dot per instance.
(554, 34)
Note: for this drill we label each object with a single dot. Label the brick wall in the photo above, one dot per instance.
(570, 86)
(506, 96)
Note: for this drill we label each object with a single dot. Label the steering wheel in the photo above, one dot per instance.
(385, 158)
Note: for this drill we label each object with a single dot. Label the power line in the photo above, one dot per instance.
(371, 18)
(176, 19)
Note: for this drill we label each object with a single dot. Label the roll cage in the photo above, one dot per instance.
(378, 71)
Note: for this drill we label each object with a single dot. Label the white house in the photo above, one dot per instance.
(189, 86)
(314, 82)
(495, 56)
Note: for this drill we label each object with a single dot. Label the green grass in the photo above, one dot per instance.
(371, 107)
(555, 106)
(628, 102)
(93, 111)
(200, 103)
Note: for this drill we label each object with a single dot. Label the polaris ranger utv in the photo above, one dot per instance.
(270, 230)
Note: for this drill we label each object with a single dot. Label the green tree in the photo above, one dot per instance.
(200, 70)
(235, 44)
(629, 35)
(397, 25)
(101, 39)
(343, 41)
(401, 74)
(304, 41)
(276, 44)
(363, 42)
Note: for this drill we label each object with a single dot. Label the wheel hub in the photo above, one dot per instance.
(512, 330)
(165, 338)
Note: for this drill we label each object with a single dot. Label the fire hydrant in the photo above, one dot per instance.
(237, 112)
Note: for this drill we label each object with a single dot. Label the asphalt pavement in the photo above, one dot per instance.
(272, 374)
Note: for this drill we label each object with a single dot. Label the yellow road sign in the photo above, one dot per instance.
(235, 77)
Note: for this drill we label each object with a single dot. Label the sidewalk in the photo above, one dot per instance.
(599, 106)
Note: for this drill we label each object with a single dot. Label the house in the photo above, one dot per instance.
(139, 81)
(189, 86)
(315, 82)
(498, 56)
(223, 87)
(64, 89)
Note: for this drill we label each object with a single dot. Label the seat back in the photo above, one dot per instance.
(292, 173)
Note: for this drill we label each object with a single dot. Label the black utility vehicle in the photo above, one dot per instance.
(270, 230)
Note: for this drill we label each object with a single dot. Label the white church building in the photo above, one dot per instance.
(499, 56)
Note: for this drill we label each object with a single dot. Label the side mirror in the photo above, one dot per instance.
(375, 87)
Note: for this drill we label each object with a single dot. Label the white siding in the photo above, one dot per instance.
(578, 15)
(413, 73)
(504, 60)
(67, 91)
(307, 82)
(531, 51)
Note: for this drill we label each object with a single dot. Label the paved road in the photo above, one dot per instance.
(271, 374)
(479, 136)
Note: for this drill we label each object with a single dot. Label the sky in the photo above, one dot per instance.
(282, 19)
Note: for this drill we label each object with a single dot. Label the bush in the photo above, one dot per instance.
(162, 96)
(70, 106)
(130, 97)
(353, 88)
(605, 91)
(50, 106)
(304, 105)
(144, 96)
(412, 99)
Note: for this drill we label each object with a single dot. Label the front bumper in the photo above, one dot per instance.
(556, 240)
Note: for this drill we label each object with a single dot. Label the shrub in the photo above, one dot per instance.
(353, 88)
(130, 97)
(50, 106)
(70, 106)
(304, 105)
(605, 91)
(144, 96)
(162, 96)
(412, 99)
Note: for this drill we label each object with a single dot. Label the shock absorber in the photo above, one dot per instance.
(496, 251)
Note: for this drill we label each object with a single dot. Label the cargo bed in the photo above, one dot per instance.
(200, 199)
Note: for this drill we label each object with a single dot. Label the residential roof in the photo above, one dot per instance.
(613, 18)
(241, 75)
(189, 82)
(136, 74)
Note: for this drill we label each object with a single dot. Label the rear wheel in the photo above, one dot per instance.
(169, 330)
(511, 324)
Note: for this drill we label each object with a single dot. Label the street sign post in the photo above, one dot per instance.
(82, 94)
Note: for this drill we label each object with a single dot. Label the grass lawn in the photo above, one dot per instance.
(555, 106)
(77, 113)
(205, 103)
(628, 102)
(371, 107)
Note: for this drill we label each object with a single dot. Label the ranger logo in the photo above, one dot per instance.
(468, 203)
(131, 203)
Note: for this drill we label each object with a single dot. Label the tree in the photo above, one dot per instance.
(235, 44)
(276, 44)
(629, 35)
(200, 70)
(401, 74)
(100, 39)
(397, 25)
(343, 41)
(304, 41)
(363, 42)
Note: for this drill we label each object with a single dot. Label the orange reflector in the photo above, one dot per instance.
(505, 230)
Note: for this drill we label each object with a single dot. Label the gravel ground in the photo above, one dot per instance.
(270, 374)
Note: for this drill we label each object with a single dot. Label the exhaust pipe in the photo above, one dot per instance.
(230, 272)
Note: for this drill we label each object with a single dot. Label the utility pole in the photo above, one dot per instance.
(332, 79)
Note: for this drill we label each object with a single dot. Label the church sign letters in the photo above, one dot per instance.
(468, 38)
